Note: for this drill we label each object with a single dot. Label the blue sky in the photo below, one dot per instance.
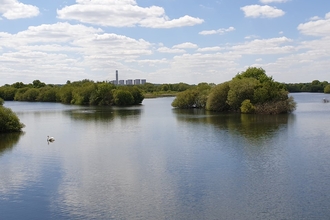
(163, 41)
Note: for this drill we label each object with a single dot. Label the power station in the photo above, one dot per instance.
(128, 81)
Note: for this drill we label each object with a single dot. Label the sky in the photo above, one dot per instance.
(163, 41)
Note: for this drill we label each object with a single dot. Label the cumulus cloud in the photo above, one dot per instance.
(170, 50)
(186, 45)
(123, 13)
(316, 27)
(209, 49)
(13, 9)
(62, 47)
(219, 31)
(265, 46)
(264, 11)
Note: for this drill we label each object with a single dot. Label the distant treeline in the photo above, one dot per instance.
(85, 92)
(88, 92)
(314, 86)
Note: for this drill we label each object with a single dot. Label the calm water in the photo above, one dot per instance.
(155, 162)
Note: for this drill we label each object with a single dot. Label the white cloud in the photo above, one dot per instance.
(170, 50)
(65, 48)
(219, 31)
(186, 45)
(273, 1)
(13, 9)
(124, 13)
(264, 11)
(265, 46)
(317, 27)
(209, 49)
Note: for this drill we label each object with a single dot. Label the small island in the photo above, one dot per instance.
(251, 91)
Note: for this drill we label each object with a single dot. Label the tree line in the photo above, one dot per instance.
(85, 92)
(251, 91)
(314, 86)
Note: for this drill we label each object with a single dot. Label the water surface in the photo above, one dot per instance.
(156, 162)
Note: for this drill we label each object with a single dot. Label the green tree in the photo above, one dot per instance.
(217, 99)
(327, 89)
(8, 93)
(47, 94)
(31, 95)
(240, 89)
(103, 94)
(123, 98)
(38, 84)
(9, 122)
(65, 93)
(186, 99)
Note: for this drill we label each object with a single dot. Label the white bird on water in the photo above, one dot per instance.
(50, 139)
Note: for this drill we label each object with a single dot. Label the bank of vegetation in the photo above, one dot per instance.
(314, 86)
(9, 122)
(251, 91)
(85, 92)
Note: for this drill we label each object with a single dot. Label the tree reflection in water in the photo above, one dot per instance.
(8, 141)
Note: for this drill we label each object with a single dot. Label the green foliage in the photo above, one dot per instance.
(8, 93)
(1, 101)
(103, 95)
(9, 122)
(65, 94)
(314, 86)
(38, 84)
(247, 107)
(240, 89)
(217, 99)
(135, 92)
(82, 94)
(123, 98)
(327, 89)
(186, 99)
(255, 73)
(47, 94)
(251, 91)
(195, 97)
(31, 95)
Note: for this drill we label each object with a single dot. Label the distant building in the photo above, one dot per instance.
(129, 82)
(137, 81)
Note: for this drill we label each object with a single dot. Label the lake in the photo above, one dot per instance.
(155, 162)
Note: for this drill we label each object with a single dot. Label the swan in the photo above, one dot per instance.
(50, 139)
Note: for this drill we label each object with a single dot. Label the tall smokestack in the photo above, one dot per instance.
(116, 77)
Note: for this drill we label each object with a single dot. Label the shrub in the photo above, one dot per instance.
(217, 100)
(327, 89)
(9, 122)
(123, 97)
(247, 107)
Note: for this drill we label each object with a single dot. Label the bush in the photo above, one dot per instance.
(186, 99)
(247, 107)
(9, 122)
(123, 98)
(327, 89)
(217, 99)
